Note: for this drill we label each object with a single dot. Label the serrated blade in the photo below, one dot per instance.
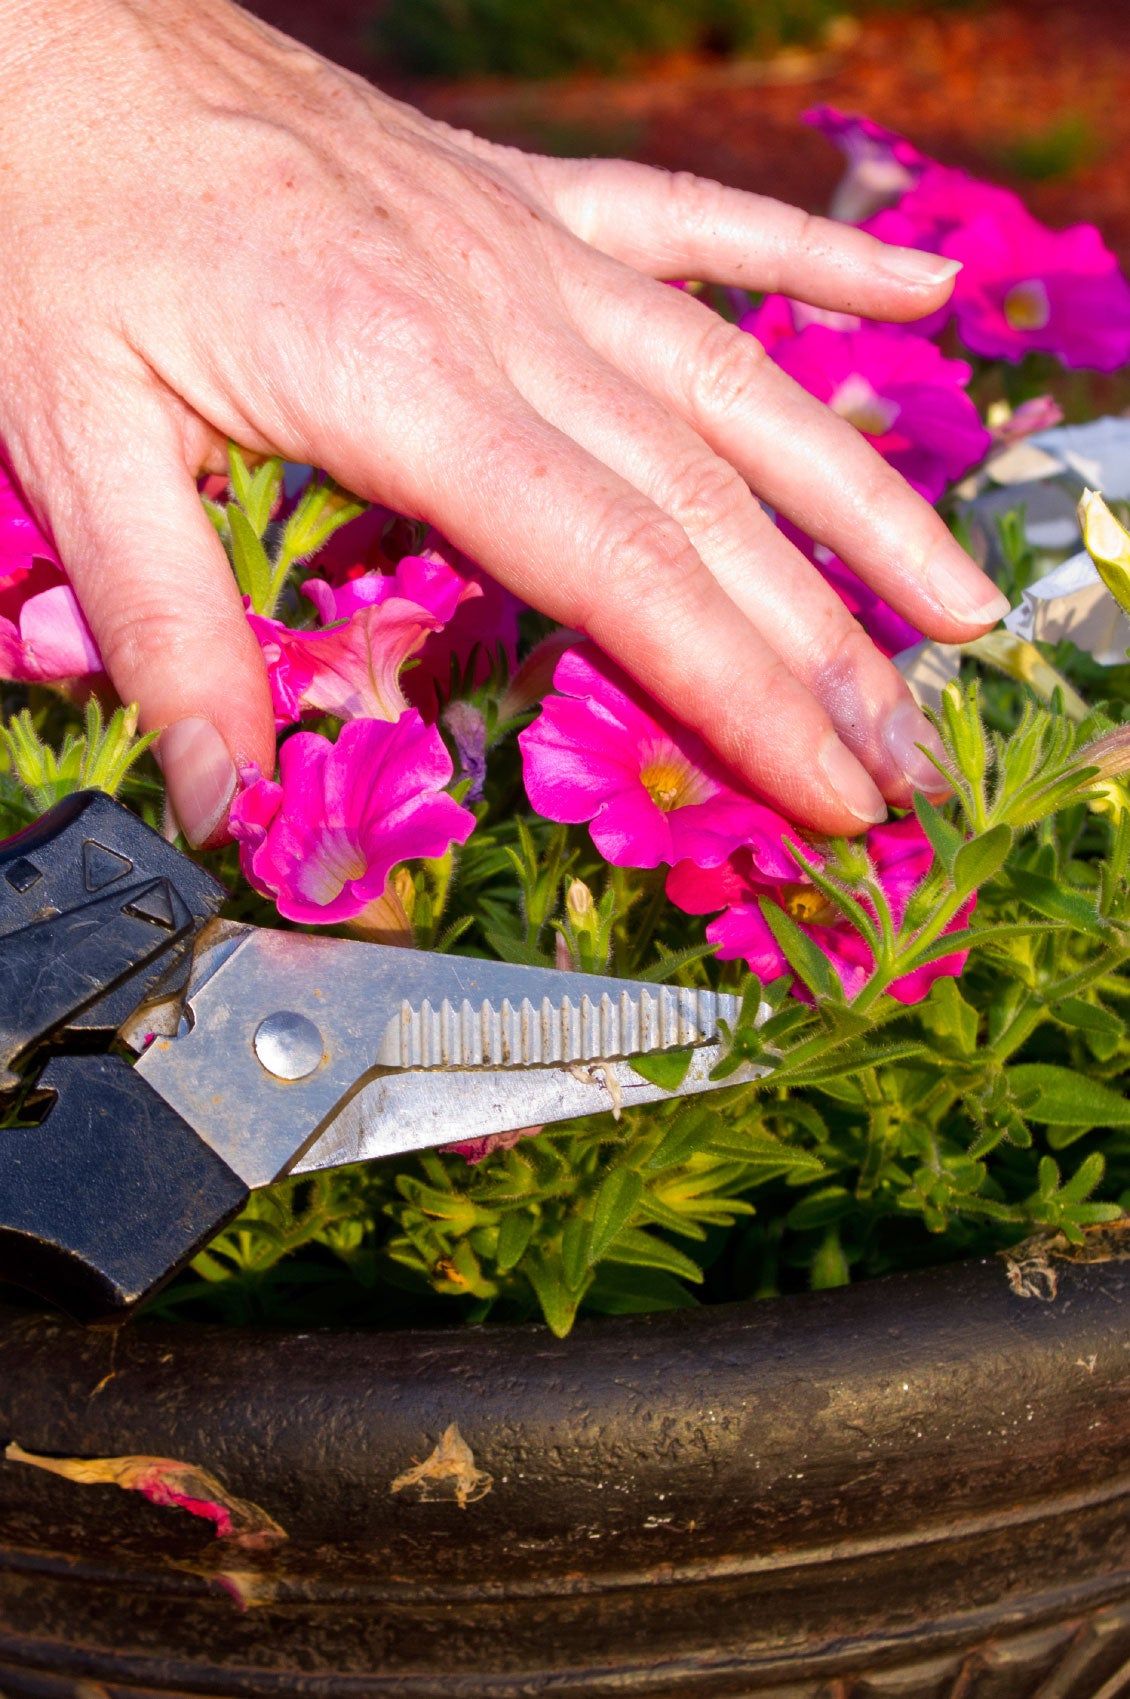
(282, 1030)
(555, 1031)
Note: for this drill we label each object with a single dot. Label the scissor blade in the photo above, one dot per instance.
(414, 1111)
(282, 1028)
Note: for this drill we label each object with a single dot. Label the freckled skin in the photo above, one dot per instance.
(212, 233)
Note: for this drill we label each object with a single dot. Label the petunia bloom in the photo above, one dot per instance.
(323, 839)
(881, 164)
(1027, 289)
(22, 542)
(44, 637)
(650, 789)
(900, 391)
(375, 624)
(900, 856)
(1023, 287)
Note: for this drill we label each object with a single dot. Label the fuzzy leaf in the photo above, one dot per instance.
(558, 1304)
(1051, 898)
(641, 1250)
(1065, 1098)
(616, 1199)
(945, 839)
(806, 959)
(665, 1068)
(976, 862)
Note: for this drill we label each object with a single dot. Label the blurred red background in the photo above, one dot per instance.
(1035, 94)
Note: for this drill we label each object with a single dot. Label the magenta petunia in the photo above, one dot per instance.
(1027, 289)
(881, 164)
(323, 839)
(900, 855)
(374, 624)
(44, 637)
(650, 790)
(900, 391)
(778, 319)
(22, 542)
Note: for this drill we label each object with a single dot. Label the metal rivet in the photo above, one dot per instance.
(289, 1045)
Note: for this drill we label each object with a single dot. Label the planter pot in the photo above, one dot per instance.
(915, 1488)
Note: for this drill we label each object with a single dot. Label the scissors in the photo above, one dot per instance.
(261, 1053)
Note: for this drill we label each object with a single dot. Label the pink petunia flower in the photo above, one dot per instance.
(881, 164)
(323, 840)
(1027, 289)
(900, 391)
(375, 623)
(650, 789)
(21, 540)
(44, 637)
(900, 856)
(485, 622)
(778, 319)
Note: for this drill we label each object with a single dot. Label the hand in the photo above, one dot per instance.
(212, 233)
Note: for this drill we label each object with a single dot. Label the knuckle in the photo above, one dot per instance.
(706, 495)
(726, 371)
(374, 328)
(643, 555)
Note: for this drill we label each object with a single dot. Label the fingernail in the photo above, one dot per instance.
(200, 776)
(911, 265)
(963, 591)
(850, 783)
(905, 730)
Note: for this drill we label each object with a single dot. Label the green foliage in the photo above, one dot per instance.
(46, 769)
(262, 550)
(532, 38)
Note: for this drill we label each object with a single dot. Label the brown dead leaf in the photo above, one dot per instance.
(448, 1473)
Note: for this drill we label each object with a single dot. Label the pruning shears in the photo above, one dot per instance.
(262, 1053)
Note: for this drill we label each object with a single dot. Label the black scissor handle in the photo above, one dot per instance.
(96, 912)
(113, 1191)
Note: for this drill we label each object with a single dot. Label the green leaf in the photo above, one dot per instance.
(249, 558)
(947, 1015)
(1089, 1017)
(665, 1068)
(558, 1304)
(637, 1291)
(574, 1261)
(1065, 1098)
(641, 1250)
(672, 962)
(821, 1208)
(511, 949)
(1056, 901)
(945, 839)
(514, 1237)
(615, 1203)
(976, 862)
(806, 959)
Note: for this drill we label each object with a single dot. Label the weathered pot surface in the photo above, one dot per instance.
(917, 1487)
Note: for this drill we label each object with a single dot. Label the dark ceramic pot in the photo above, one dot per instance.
(914, 1488)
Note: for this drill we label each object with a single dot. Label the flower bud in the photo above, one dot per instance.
(1108, 544)
(579, 904)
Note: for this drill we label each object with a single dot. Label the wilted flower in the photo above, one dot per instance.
(1009, 425)
(650, 789)
(881, 164)
(906, 398)
(900, 856)
(467, 729)
(323, 840)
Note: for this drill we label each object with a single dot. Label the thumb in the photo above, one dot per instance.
(154, 583)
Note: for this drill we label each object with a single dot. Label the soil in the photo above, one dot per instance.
(1034, 94)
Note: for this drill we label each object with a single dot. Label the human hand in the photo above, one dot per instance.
(213, 234)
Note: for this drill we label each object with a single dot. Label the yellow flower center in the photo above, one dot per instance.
(862, 406)
(1026, 306)
(804, 902)
(671, 780)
